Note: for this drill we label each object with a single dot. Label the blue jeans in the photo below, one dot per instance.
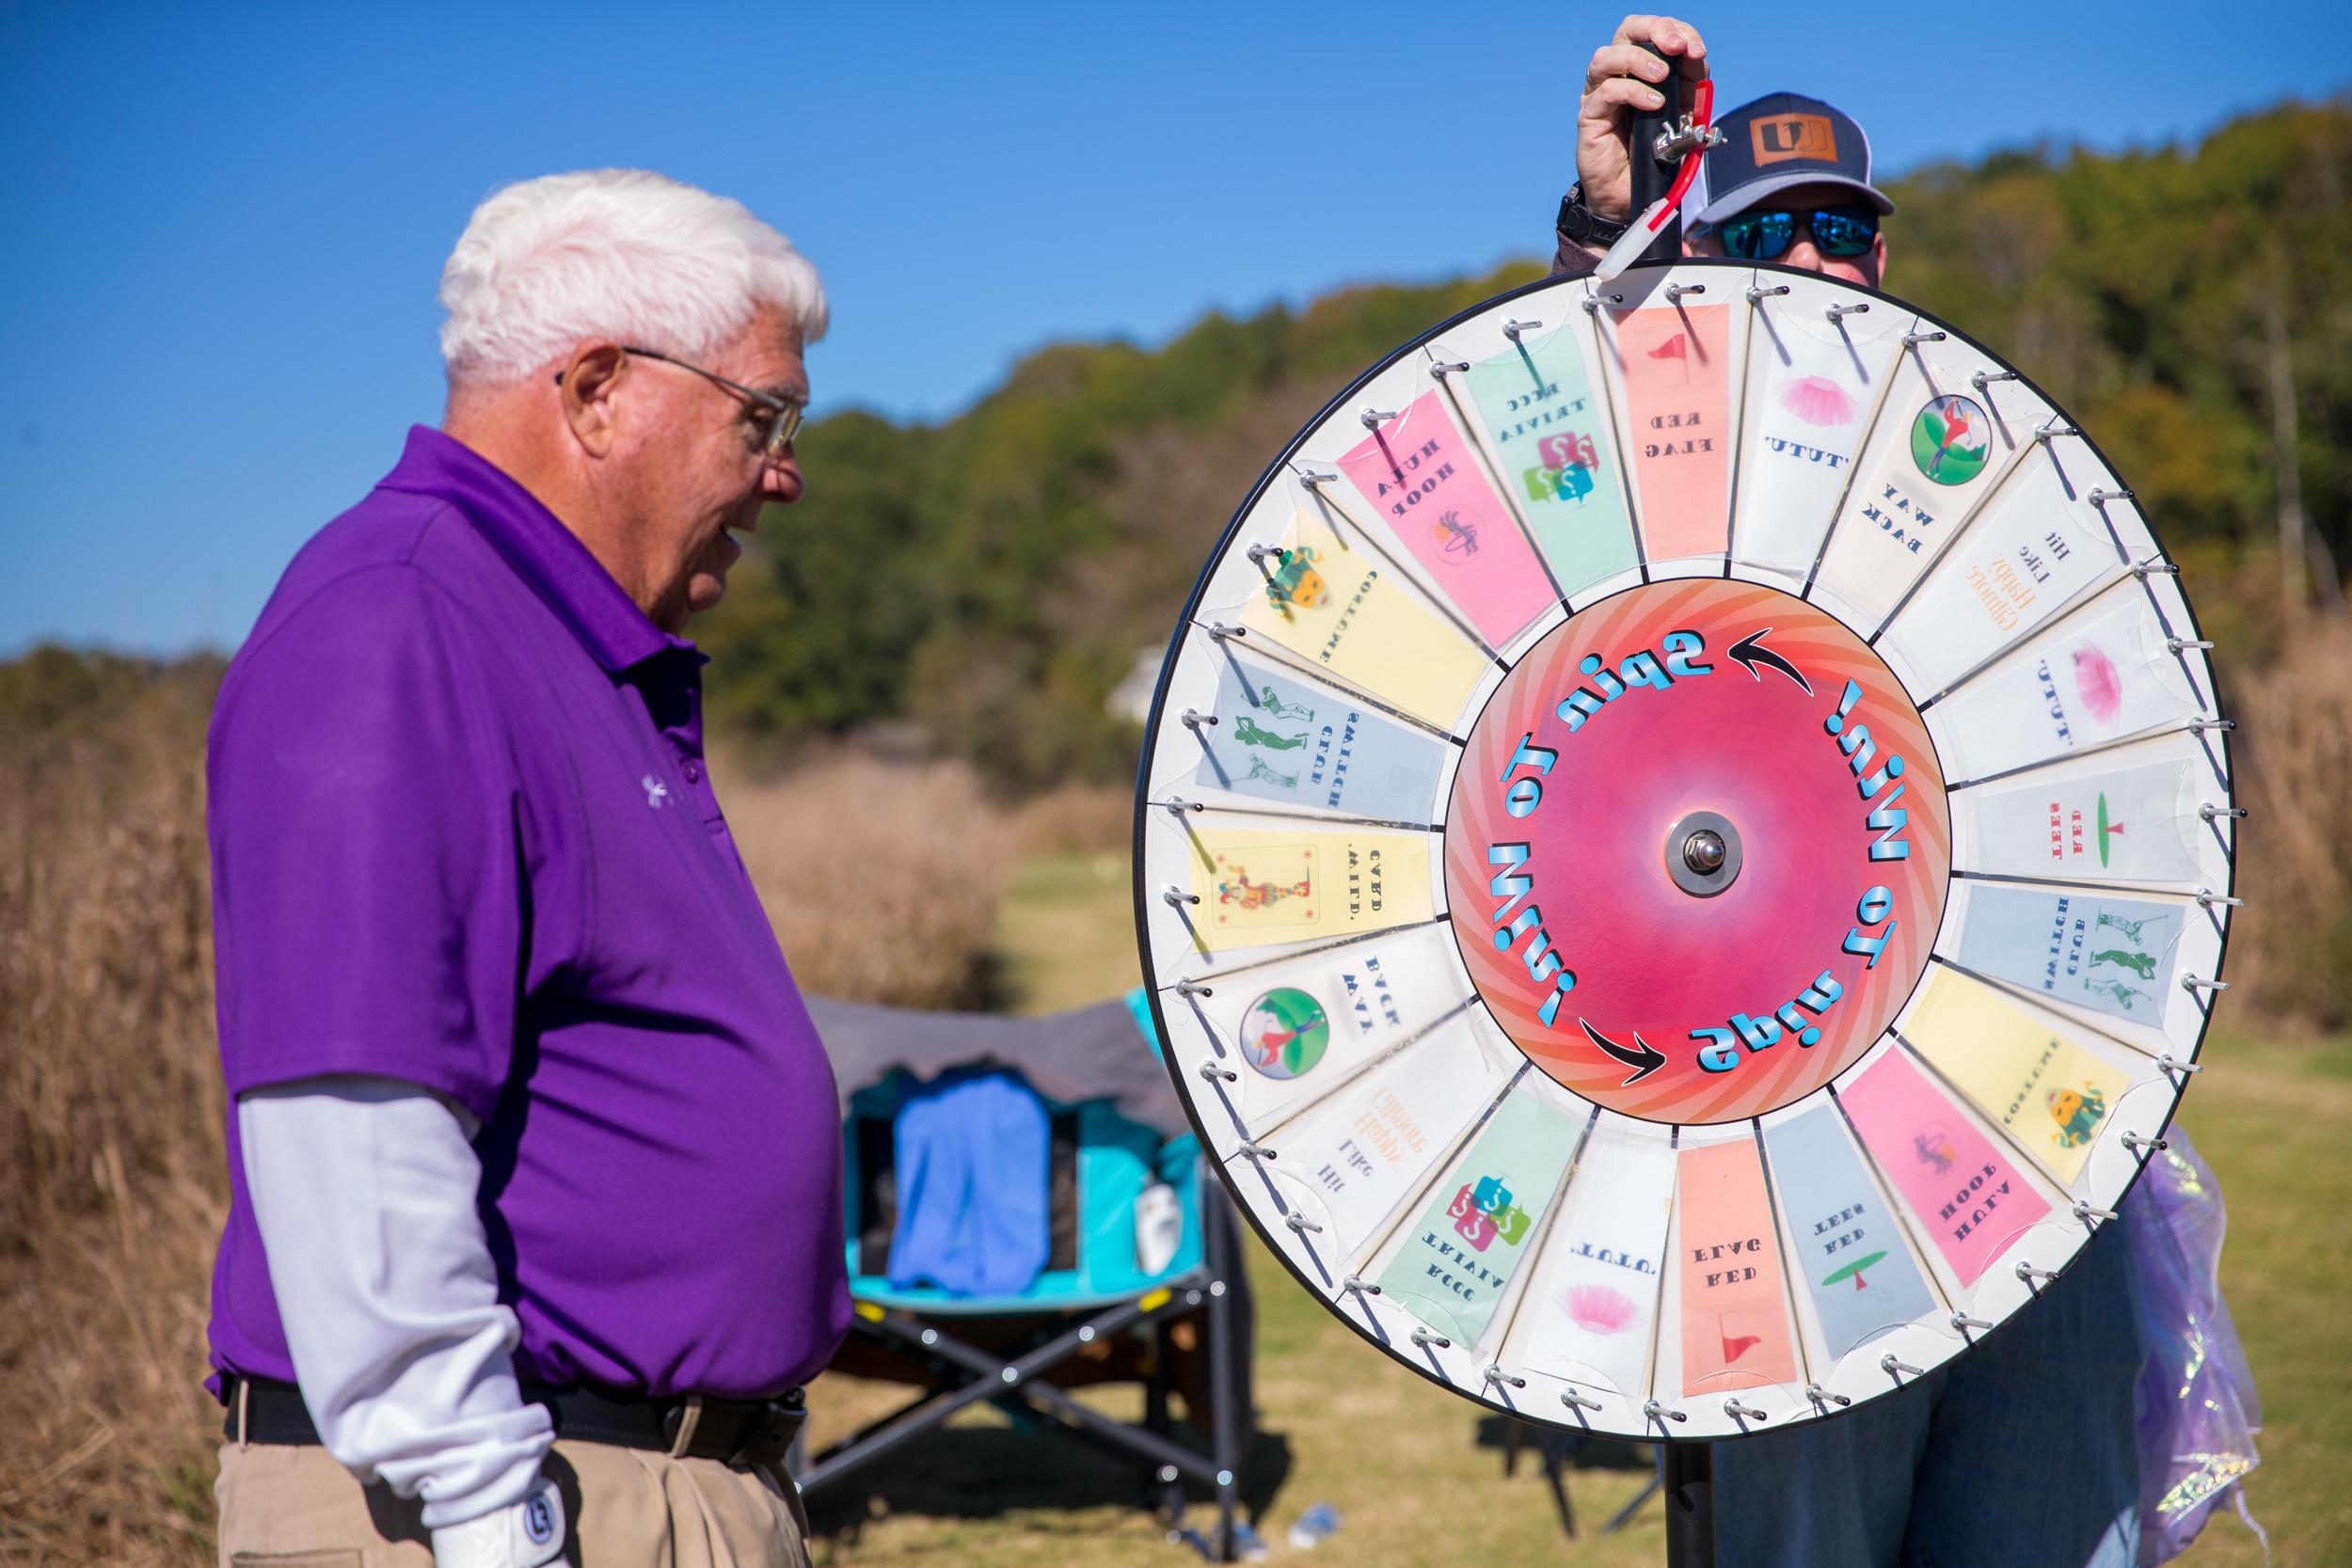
(2022, 1453)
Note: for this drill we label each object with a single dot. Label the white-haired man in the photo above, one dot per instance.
(534, 1152)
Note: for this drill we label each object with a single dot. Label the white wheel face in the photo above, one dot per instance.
(1683, 848)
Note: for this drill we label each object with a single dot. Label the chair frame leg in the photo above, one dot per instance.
(992, 1377)
(978, 1375)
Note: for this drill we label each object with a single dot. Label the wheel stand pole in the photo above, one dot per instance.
(1689, 1505)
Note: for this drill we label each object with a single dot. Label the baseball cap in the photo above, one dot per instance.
(1776, 141)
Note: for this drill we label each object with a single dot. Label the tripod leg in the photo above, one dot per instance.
(1224, 1418)
(1555, 1472)
(1618, 1520)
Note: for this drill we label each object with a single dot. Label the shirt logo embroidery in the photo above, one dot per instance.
(656, 793)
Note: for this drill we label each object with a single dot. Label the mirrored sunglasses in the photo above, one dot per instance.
(1844, 232)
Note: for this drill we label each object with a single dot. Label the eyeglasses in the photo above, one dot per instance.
(769, 423)
(1844, 232)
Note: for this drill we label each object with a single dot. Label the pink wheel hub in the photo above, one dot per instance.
(1697, 852)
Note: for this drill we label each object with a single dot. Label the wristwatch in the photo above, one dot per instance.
(1580, 225)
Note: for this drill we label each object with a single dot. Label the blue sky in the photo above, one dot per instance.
(226, 221)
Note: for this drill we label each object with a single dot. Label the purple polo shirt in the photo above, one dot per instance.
(463, 835)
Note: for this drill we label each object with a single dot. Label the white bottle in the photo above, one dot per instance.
(1159, 1227)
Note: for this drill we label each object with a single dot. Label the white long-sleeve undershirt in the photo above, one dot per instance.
(364, 1192)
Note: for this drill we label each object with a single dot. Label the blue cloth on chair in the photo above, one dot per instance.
(973, 1163)
(1139, 1008)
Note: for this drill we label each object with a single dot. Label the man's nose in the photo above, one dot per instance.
(782, 481)
(1805, 254)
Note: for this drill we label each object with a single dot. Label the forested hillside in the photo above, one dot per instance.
(989, 578)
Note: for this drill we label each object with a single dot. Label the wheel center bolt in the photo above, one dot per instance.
(1704, 851)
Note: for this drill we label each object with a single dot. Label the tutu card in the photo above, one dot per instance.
(1589, 1317)
(1811, 384)
(2097, 678)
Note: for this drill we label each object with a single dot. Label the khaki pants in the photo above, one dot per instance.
(284, 1506)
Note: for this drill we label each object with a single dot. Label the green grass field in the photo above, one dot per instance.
(1404, 1462)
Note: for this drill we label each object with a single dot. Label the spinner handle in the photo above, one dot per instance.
(1650, 178)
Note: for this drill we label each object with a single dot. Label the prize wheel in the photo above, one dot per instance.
(1684, 849)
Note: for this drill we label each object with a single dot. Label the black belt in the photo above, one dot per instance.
(746, 1433)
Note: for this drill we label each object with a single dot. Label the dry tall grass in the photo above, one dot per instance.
(1088, 817)
(2291, 950)
(881, 878)
(110, 1162)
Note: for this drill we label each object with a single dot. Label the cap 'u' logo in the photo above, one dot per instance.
(1784, 136)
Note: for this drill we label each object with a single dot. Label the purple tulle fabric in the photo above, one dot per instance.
(2198, 1410)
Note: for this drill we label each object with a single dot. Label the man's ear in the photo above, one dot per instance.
(588, 386)
(1877, 260)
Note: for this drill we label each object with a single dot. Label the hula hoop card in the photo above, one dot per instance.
(1684, 849)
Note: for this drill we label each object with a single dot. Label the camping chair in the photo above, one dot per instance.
(1093, 1315)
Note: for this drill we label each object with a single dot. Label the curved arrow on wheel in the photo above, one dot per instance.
(1644, 1058)
(1749, 651)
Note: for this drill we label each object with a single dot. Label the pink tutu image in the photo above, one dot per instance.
(1818, 400)
(1598, 1309)
(2098, 683)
